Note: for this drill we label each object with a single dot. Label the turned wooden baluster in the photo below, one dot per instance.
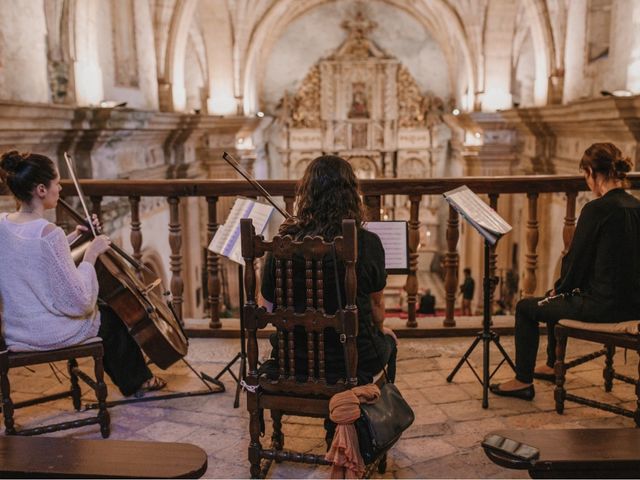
(175, 259)
(288, 202)
(213, 279)
(569, 221)
(96, 207)
(532, 244)
(411, 286)
(493, 258)
(451, 267)
(320, 307)
(136, 230)
(372, 203)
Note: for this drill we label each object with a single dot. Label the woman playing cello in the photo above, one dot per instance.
(46, 301)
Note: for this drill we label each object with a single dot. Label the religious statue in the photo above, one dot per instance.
(359, 107)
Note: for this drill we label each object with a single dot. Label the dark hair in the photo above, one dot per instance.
(327, 194)
(23, 172)
(607, 160)
(467, 270)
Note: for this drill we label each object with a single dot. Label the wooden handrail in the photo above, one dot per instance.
(373, 190)
(390, 186)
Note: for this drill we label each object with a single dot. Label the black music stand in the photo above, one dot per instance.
(241, 355)
(479, 218)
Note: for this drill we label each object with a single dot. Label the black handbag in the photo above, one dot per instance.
(381, 423)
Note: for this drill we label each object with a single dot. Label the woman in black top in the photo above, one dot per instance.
(327, 194)
(603, 262)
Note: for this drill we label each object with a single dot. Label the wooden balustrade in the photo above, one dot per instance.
(373, 192)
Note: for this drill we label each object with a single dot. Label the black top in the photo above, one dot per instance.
(371, 277)
(427, 304)
(468, 288)
(604, 258)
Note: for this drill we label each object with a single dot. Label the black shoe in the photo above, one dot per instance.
(547, 377)
(526, 393)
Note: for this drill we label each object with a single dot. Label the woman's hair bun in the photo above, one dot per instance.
(11, 161)
(622, 166)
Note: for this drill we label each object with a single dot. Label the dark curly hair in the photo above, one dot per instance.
(607, 160)
(327, 194)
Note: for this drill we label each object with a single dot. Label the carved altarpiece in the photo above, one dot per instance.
(361, 103)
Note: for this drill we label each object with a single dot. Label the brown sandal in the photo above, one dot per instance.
(153, 384)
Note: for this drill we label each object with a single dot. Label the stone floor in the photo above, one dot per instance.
(443, 442)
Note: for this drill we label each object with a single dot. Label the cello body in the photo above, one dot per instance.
(150, 320)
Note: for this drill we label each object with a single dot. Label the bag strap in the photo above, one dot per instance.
(340, 312)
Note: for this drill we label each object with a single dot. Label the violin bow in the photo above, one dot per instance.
(238, 168)
(134, 263)
(72, 174)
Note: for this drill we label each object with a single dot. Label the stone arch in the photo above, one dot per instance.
(544, 51)
(173, 91)
(276, 20)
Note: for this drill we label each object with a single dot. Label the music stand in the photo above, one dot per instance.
(491, 226)
(226, 242)
(241, 355)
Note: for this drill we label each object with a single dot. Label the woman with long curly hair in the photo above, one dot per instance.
(327, 194)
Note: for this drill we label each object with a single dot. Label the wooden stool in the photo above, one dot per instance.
(576, 453)
(47, 457)
(611, 335)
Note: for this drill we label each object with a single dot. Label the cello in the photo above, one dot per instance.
(150, 319)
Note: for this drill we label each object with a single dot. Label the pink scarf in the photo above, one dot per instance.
(344, 409)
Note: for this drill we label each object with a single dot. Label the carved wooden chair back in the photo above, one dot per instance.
(9, 360)
(308, 259)
(293, 392)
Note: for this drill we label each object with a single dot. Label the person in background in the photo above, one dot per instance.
(427, 303)
(467, 290)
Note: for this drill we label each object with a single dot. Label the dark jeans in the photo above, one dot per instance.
(123, 360)
(528, 317)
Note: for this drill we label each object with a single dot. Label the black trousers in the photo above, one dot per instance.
(123, 360)
(528, 317)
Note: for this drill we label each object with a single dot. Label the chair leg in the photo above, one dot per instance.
(7, 404)
(636, 414)
(101, 395)
(76, 393)
(254, 446)
(277, 439)
(560, 370)
(608, 371)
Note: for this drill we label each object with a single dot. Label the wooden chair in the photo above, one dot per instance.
(288, 395)
(610, 335)
(92, 348)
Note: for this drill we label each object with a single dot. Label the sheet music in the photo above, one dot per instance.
(393, 235)
(480, 215)
(226, 241)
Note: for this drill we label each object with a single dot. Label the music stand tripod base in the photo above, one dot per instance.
(487, 336)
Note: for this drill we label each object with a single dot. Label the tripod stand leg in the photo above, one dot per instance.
(496, 339)
(463, 359)
(486, 343)
(241, 374)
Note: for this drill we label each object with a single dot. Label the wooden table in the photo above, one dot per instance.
(49, 457)
(577, 453)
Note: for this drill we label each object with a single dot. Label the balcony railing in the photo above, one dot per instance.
(373, 192)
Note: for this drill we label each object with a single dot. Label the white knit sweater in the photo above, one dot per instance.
(46, 301)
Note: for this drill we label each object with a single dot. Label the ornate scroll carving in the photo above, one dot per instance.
(305, 111)
(414, 108)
